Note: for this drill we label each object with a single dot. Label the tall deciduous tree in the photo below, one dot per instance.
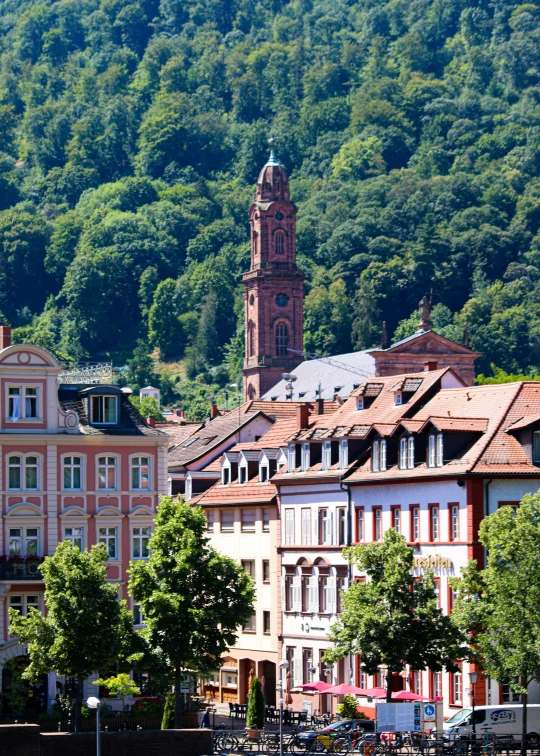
(192, 598)
(498, 606)
(392, 620)
(87, 628)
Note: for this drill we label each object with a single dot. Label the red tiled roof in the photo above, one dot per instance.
(466, 425)
(276, 435)
(251, 492)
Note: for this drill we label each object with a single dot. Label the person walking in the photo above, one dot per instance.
(205, 721)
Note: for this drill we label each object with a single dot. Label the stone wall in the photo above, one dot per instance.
(26, 740)
(19, 740)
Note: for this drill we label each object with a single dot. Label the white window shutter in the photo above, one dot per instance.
(316, 528)
(283, 596)
(297, 675)
(297, 594)
(313, 595)
(332, 595)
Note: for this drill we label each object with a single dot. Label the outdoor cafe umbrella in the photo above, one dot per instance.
(408, 695)
(288, 698)
(318, 687)
(374, 692)
(343, 689)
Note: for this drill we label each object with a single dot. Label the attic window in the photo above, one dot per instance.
(398, 398)
(337, 389)
(225, 476)
(359, 402)
(104, 410)
(536, 447)
(273, 398)
(355, 386)
(208, 440)
(191, 441)
(242, 474)
(326, 455)
(263, 473)
(343, 453)
(305, 457)
(302, 394)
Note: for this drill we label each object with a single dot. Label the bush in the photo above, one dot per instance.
(255, 710)
(348, 708)
(167, 723)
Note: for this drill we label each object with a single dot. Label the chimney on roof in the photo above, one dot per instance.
(384, 336)
(320, 406)
(151, 422)
(429, 366)
(338, 399)
(5, 336)
(214, 412)
(302, 416)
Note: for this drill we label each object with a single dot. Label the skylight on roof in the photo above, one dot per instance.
(191, 441)
(208, 440)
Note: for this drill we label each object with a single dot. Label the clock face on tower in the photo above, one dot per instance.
(279, 216)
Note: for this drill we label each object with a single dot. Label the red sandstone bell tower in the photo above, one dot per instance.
(273, 287)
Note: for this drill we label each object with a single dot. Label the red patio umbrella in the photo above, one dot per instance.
(343, 689)
(374, 692)
(318, 687)
(408, 695)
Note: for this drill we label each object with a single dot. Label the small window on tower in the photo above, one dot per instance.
(282, 300)
(252, 300)
(282, 339)
(280, 244)
(251, 338)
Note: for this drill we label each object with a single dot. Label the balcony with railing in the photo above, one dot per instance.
(20, 567)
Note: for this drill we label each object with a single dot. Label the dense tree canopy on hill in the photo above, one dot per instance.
(131, 134)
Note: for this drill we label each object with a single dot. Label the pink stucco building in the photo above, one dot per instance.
(78, 463)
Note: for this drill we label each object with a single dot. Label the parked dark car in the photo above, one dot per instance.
(342, 727)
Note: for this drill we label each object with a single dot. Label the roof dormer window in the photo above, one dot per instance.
(225, 476)
(326, 455)
(263, 473)
(104, 410)
(378, 461)
(398, 399)
(242, 474)
(305, 457)
(292, 457)
(435, 451)
(343, 453)
(359, 402)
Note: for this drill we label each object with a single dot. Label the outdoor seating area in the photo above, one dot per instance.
(290, 718)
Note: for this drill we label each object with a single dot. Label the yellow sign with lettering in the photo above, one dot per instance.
(435, 562)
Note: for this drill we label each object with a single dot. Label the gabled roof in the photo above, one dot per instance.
(427, 335)
(218, 430)
(458, 424)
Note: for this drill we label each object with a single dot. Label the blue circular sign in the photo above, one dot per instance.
(429, 710)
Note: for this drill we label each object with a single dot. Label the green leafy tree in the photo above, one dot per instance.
(164, 325)
(493, 606)
(147, 407)
(192, 598)
(392, 619)
(140, 370)
(359, 159)
(255, 709)
(119, 686)
(82, 609)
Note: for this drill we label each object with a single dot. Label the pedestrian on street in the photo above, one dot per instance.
(205, 721)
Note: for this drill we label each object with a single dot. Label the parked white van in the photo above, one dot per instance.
(506, 719)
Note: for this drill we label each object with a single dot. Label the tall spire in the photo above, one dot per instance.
(272, 160)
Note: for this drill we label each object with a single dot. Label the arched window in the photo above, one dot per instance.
(280, 243)
(251, 338)
(282, 339)
(251, 392)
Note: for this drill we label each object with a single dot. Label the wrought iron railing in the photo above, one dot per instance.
(20, 568)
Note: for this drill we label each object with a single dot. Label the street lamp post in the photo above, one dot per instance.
(473, 679)
(95, 703)
(283, 665)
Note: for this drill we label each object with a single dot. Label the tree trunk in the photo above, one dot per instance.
(78, 704)
(177, 698)
(524, 726)
(389, 686)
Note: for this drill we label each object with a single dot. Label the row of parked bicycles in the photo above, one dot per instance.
(340, 738)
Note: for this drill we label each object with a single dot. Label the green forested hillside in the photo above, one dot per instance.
(131, 135)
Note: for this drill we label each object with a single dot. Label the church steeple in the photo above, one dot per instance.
(273, 287)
